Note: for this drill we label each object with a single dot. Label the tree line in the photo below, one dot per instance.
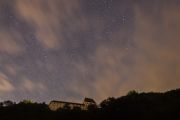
(134, 105)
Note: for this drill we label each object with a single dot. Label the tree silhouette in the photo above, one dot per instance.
(8, 103)
(136, 106)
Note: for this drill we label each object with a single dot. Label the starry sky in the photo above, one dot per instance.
(71, 49)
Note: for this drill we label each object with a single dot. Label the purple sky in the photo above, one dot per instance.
(71, 49)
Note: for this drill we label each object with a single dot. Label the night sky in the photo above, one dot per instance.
(71, 49)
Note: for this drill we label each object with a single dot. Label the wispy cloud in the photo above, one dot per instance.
(157, 39)
(101, 55)
(5, 84)
(9, 42)
(31, 86)
(151, 64)
(48, 18)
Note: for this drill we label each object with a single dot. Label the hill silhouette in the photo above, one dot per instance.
(133, 106)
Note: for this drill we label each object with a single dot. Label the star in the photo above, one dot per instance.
(124, 19)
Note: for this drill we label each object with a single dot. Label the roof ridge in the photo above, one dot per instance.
(66, 102)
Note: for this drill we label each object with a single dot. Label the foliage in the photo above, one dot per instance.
(136, 106)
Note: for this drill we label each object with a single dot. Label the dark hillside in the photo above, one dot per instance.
(136, 106)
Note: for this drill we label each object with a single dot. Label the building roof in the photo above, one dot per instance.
(85, 100)
(89, 100)
(66, 102)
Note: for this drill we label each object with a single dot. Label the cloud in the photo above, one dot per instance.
(9, 42)
(5, 85)
(11, 69)
(100, 57)
(104, 77)
(48, 18)
(30, 86)
(157, 39)
(152, 63)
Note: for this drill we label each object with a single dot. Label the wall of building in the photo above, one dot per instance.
(57, 105)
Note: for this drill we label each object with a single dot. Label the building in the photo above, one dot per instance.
(55, 105)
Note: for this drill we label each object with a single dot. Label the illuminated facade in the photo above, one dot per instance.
(55, 105)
